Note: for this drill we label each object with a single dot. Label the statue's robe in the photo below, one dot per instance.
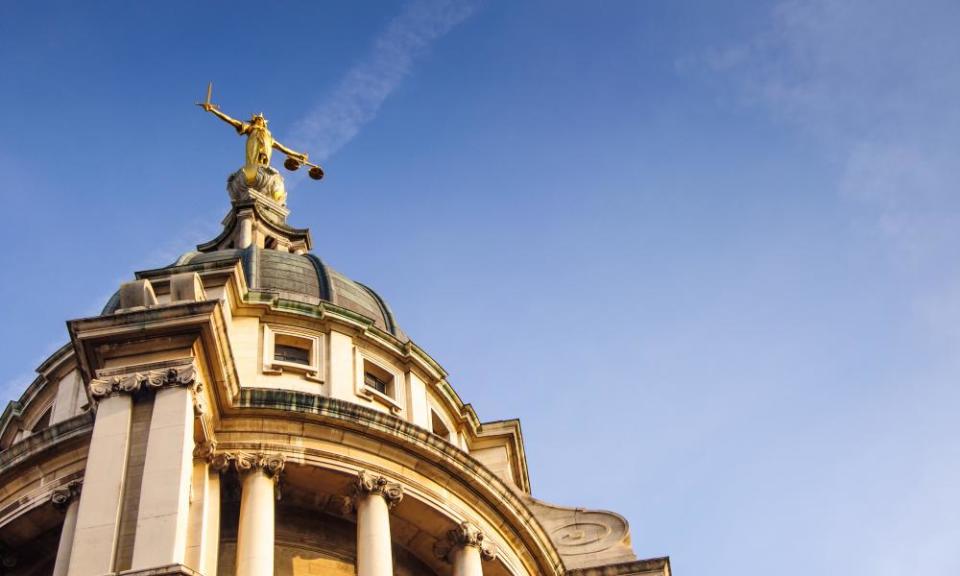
(259, 149)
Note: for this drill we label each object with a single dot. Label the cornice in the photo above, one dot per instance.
(649, 567)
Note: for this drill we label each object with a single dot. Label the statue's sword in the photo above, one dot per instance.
(209, 96)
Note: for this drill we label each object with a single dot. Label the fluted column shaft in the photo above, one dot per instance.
(255, 536)
(373, 499)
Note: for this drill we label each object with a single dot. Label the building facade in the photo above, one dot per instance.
(249, 411)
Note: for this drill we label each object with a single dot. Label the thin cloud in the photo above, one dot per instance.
(358, 97)
(873, 82)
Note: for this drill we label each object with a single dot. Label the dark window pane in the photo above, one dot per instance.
(282, 353)
(375, 383)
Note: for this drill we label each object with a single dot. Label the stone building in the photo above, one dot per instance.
(248, 410)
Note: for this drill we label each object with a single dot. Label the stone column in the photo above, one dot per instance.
(204, 530)
(66, 498)
(373, 498)
(259, 474)
(98, 516)
(163, 511)
(465, 548)
(246, 230)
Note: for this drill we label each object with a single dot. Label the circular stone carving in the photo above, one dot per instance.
(592, 532)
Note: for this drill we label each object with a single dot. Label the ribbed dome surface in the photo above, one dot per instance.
(298, 277)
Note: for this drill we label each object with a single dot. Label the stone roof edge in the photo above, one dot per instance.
(15, 408)
(649, 567)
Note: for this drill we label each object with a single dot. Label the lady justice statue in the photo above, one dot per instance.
(257, 172)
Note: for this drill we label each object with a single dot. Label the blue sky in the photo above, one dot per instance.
(705, 251)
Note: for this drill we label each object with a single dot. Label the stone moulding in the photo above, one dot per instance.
(648, 567)
(169, 570)
(133, 382)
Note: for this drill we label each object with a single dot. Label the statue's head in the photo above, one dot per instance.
(258, 120)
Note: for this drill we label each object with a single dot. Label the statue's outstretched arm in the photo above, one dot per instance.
(289, 152)
(216, 112)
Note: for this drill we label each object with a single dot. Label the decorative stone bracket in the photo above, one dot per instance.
(367, 484)
(464, 535)
(62, 496)
(132, 382)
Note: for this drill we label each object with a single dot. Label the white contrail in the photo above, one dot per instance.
(358, 97)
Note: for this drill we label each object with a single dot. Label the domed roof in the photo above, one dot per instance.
(298, 277)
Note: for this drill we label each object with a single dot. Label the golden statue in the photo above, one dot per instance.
(260, 145)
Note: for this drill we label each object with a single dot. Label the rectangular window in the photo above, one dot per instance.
(293, 354)
(376, 382)
(290, 350)
(371, 380)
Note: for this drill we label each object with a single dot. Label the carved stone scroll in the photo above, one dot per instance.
(132, 382)
(271, 464)
(464, 535)
(206, 450)
(367, 484)
(64, 495)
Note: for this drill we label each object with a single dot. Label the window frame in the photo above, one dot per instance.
(288, 336)
(394, 398)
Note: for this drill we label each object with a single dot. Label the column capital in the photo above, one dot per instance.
(271, 464)
(369, 484)
(109, 383)
(207, 451)
(463, 536)
(62, 496)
